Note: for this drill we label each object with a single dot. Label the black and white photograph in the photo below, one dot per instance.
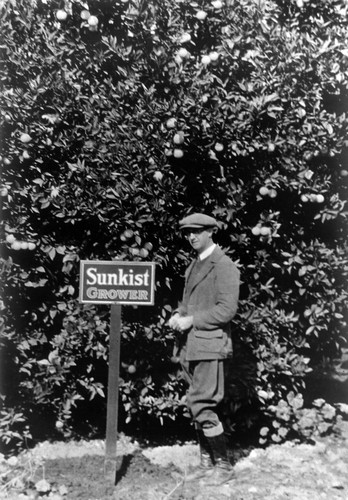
(173, 249)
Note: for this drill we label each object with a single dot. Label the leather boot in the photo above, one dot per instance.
(223, 470)
(206, 465)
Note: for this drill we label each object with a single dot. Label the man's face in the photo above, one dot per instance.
(199, 239)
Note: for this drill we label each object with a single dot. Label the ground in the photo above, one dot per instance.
(78, 470)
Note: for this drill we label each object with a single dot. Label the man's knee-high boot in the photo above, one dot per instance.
(206, 465)
(223, 470)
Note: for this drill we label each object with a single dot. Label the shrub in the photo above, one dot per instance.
(289, 419)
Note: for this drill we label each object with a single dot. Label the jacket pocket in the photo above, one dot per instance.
(209, 342)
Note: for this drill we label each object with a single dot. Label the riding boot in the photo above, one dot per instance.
(206, 465)
(223, 470)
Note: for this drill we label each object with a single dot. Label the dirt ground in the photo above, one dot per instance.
(71, 471)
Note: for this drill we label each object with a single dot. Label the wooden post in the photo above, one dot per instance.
(113, 389)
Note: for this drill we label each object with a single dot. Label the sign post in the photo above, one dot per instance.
(113, 382)
(117, 283)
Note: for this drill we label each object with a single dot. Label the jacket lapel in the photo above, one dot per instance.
(189, 277)
(194, 278)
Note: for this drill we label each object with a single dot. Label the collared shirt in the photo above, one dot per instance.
(207, 252)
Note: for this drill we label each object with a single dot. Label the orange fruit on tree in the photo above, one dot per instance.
(25, 138)
(61, 15)
(178, 153)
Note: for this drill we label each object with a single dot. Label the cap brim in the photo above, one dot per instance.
(195, 226)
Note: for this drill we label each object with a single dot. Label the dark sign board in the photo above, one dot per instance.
(117, 282)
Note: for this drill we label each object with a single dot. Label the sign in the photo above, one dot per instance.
(117, 282)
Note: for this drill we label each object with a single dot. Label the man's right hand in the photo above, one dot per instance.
(173, 322)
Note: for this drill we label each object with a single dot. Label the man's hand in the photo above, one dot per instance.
(180, 323)
(173, 322)
(184, 323)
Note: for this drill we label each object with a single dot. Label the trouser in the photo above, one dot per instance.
(205, 392)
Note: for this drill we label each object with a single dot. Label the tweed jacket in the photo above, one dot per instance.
(211, 297)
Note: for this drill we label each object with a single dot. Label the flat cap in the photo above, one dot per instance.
(197, 221)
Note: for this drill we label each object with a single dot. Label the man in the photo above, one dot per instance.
(209, 303)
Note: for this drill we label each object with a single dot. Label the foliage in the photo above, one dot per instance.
(289, 419)
(13, 428)
(92, 169)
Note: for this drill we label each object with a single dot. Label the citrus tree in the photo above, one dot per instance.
(118, 118)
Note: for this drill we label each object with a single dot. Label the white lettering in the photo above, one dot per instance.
(92, 293)
(123, 294)
(91, 274)
(122, 277)
(139, 279)
(112, 279)
(104, 294)
(112, 294)
(102, 279)
(146, 278)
